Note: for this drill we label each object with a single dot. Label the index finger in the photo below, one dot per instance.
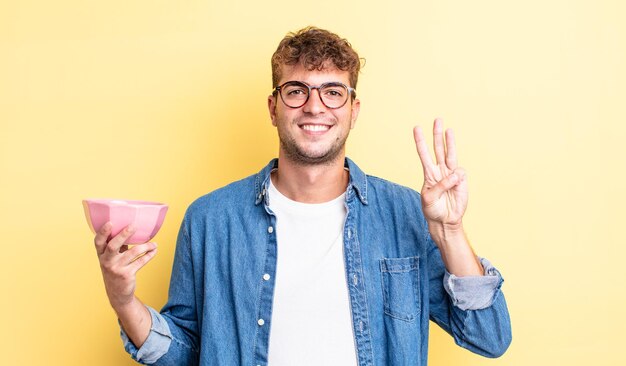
(101, 237)
(114, 245)
(422, 149)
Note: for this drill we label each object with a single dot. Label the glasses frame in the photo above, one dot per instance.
(351, 92)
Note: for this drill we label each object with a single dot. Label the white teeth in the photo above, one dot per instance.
(315, 128)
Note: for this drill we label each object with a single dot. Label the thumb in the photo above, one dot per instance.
(436, 191)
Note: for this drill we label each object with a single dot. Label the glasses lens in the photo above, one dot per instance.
(294, 93)
(334, 95)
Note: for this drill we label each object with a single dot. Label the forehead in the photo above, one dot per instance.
(313, 77)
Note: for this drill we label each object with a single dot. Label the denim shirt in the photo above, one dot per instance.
(219, 310)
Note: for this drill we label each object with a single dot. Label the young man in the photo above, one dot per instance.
(310, 261)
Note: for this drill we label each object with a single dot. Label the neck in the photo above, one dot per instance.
(311, 183)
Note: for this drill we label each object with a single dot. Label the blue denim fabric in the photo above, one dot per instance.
(219, 310)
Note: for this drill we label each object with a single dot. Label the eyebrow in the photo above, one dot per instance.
(305, 83)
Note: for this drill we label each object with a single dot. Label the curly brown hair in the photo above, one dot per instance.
(314, 48)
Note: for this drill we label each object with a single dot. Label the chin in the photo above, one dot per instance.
(308, 158)
(315, 155)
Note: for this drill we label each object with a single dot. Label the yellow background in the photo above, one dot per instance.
(166, 100)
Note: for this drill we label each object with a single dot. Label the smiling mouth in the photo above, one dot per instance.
(315, 127)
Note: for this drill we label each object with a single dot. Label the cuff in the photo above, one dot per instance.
(474, 292)
(157, 343)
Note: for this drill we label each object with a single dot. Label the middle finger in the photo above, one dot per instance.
(440, 150)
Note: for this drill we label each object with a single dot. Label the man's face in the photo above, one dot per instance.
(313, 134)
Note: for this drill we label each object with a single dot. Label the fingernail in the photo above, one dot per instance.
(130, 228)
(453, 177)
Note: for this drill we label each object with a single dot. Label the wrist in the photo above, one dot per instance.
(123, 309)
(443, 233)
(456, 252)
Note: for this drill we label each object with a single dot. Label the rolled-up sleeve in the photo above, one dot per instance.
(157, 343)
(472, 309)
(474, 292)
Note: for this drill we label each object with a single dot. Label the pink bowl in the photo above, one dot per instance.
(147, 217)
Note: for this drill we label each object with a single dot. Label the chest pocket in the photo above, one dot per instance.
(401, 291)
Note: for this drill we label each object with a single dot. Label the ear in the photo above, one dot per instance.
(271, 106)
(356, 108)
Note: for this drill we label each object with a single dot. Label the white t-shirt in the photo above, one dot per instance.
(311, 320)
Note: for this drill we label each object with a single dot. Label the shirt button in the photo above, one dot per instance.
(266, 276)
(270, 229)
(261, 321)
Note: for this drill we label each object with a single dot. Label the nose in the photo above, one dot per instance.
(314, 105)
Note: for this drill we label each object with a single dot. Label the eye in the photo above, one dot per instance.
(295, 91)
(334, 91)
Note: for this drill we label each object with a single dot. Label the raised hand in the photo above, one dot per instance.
(444, 192)
(444, 200)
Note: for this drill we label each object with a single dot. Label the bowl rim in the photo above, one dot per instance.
(123, 202)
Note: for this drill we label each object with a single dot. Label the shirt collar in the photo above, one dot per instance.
(357, 185)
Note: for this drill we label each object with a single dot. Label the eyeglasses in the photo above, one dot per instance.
(333, 95)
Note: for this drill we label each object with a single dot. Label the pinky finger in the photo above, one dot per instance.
(141, 261)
